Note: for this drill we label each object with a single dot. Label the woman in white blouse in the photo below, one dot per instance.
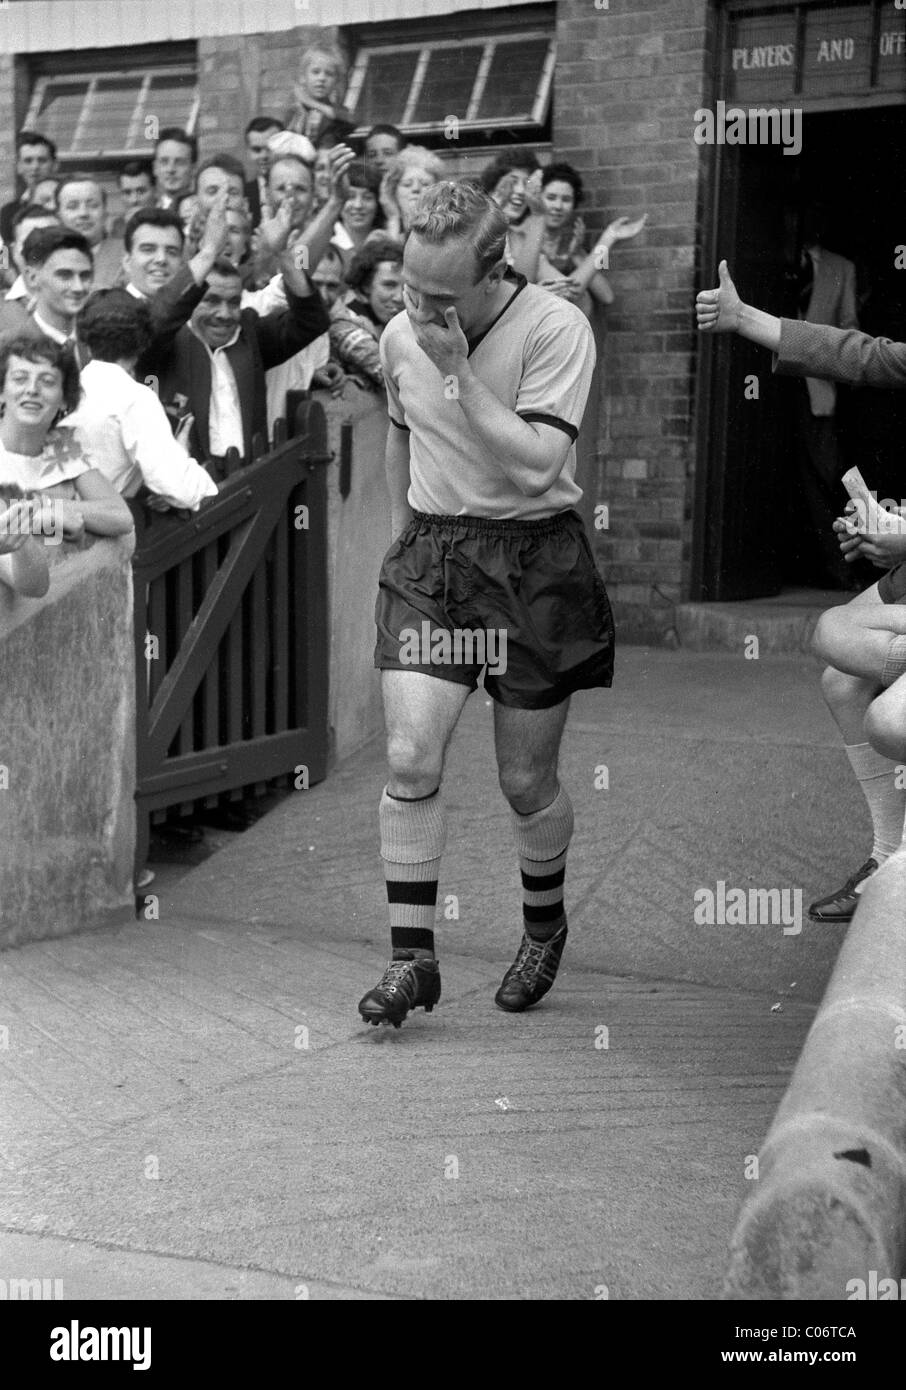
(120, 422)
(42, 460)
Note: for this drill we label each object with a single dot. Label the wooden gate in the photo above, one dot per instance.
(231, 630)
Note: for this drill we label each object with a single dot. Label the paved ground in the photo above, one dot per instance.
(191, 1107)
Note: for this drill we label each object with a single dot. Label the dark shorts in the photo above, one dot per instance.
(892, 585)
(520, 599)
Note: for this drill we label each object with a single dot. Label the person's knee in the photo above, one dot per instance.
(522, 783)
(885, 726)
(827, 635)
(841, 690)
(414, 762)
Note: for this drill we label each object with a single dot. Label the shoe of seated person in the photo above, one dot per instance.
(409, 982)
(840, 907)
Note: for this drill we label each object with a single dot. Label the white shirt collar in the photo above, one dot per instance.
(54, 333)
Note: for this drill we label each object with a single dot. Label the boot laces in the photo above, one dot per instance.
(395, 974)
(530, 960)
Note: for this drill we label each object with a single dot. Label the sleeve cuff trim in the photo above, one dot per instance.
(537, 415)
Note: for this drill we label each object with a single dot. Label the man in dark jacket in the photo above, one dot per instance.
(213, 368)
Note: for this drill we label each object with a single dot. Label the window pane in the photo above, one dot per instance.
(109, 115)
(61, 107)
(513, 79)
(385, 90)
(170, 99)
(448, 84)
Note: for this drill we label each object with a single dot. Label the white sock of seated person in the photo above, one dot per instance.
(878, 777)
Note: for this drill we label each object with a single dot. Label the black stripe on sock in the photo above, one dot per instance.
(542, 883)
(412, 799)
(412, 938)
(412, 894)
(548, 913)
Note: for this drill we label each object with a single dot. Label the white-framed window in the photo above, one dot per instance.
(486, 83)
(114, 114)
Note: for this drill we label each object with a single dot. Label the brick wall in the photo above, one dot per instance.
(7, 128)
(13, 105)
(628, 81)
(240, 78)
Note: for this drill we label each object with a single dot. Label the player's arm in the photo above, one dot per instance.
(531, 453)
(396, 461)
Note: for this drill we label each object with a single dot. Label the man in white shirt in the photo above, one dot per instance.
(120, 423)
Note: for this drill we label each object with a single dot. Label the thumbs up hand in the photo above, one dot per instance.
(718, 310)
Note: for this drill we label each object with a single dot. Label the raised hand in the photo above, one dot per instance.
(718, 310)
(216, 231)
(445, 344)
(622, 228)
(533, 198)
(273, 231)
(393, 218)
(341, 156)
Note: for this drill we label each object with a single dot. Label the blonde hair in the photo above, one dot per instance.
(414, 157)
(337, 59)
(462, 212)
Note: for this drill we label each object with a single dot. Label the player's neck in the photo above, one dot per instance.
(496, 303)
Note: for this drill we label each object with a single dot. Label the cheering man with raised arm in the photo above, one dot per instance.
(487, 379)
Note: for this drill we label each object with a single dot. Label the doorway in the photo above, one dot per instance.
(758, 536)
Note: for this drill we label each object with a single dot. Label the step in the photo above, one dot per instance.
(783, 624)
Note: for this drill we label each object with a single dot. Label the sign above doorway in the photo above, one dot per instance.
(803, 52)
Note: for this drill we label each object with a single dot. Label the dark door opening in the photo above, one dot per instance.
(758, 535)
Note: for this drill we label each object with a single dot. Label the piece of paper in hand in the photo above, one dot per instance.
(870, 518)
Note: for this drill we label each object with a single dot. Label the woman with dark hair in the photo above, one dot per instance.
(374, 297)
(120, 423)
(563, 268)
(39, 457)
(362, 213)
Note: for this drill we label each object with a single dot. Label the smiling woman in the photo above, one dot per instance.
(39, 383)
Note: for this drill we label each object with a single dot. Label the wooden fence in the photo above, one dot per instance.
(231, 629)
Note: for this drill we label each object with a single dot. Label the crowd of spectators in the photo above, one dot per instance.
(144, 343)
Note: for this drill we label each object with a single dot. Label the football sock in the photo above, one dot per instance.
(878, 777)
(542, 840)
(413, 835)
